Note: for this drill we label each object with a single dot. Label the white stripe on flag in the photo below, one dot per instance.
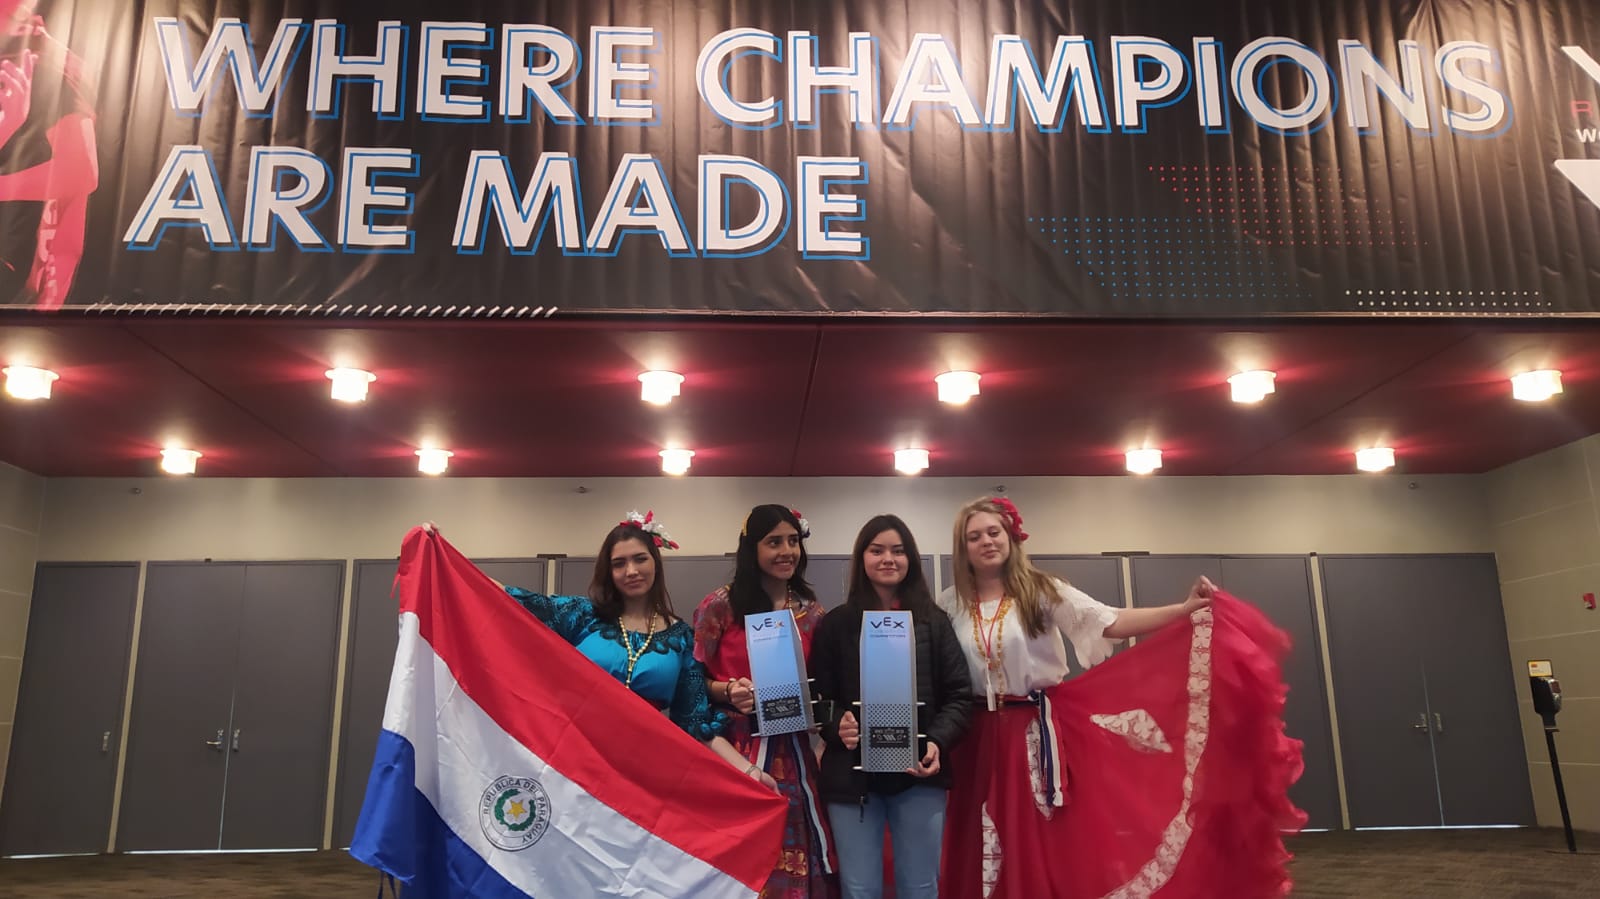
(588, 847)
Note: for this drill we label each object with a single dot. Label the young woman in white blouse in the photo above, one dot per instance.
(1069, 789)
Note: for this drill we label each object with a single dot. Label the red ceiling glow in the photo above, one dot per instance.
(558, 398)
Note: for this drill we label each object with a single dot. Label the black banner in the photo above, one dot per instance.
(1092, 158)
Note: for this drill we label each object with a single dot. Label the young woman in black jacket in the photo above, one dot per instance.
(886, 574)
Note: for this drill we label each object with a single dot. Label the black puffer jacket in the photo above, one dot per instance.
(943, 686)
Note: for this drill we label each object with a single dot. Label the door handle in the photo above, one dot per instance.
(236, 739)
(217, 743)
(1422, 722)
(105, 742)
(1438, 723)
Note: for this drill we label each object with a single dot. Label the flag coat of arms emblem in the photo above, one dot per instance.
(509, 765)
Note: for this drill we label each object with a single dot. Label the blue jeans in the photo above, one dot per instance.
(916, 829)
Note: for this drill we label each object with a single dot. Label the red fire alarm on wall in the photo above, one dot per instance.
(1588, 601)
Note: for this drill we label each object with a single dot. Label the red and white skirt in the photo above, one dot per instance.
(1162, 772)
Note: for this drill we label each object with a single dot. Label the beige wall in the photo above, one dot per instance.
(1545, 512)
(91, 519)
(21, 507)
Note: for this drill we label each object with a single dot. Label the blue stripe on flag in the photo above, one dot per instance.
(400, 832)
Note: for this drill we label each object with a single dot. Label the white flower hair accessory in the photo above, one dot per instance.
(647, 523)
(805, 526)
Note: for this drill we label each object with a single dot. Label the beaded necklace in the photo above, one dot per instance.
(627, 645)
(988, 636)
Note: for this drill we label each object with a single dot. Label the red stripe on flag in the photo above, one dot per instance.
(580, 720)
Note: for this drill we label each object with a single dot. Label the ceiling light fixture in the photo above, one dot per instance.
(659, 387)
(957, 387)
(1253, 386)
(1536, 386)
(175, 460)
(911, 461)
(28, 383)
(1375, 458)
(1144, 461)
(676, 461)
(433, 461)
(350, 384)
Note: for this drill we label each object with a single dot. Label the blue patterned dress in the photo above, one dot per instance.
(666, 676)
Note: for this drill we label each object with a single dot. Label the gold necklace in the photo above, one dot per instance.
(792, 604)
(627, 645)
(990, 640)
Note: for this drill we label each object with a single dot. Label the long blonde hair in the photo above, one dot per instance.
(1033, 591)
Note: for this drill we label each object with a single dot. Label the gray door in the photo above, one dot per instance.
(1378, 626)
(182, 704)
(1477, 736)
(690, 579)
(369, 661)
(1162, 580)
(829, 576)
(69, 709)
(283, 706)
(573, 575)
(1280, 586)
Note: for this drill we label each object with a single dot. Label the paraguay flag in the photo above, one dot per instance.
(510, 765)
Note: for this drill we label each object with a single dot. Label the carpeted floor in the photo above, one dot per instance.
(1488, 864)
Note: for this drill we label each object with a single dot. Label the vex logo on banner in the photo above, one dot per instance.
(1584, 173)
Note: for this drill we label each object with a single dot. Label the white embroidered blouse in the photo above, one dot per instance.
(1031, 663)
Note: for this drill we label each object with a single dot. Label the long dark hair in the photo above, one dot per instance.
(913, 592)
(746, 595)
(603, 592)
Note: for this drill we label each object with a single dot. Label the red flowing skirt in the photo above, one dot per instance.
(1176, 772)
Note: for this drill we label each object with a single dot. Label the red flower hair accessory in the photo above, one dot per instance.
(647, 523)
(1011, 517)
(805, 526)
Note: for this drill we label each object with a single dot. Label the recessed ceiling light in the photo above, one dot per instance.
(176, 460)
(957, 387)
(350, 384)
(659, 387)
(676, 461)
(1144, 461)
(1253, 386)
(433, 461)
(1536, 386)
(28, 383)
(911, 461)
(1375, 458)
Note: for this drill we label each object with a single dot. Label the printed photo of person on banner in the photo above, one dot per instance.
(48, 166)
